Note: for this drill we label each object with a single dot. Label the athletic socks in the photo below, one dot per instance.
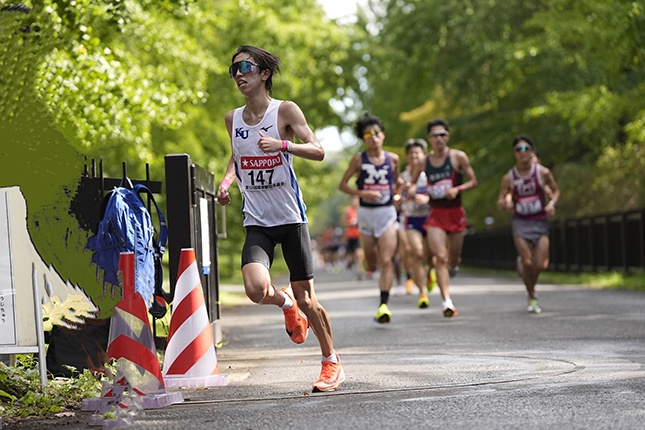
(385, 295)
(333, 358)
(288, 303)
(447, 304)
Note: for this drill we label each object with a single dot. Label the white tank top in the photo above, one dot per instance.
(267, 181)
(409, 208)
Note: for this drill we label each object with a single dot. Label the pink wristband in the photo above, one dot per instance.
(225, 184)
(285, 146)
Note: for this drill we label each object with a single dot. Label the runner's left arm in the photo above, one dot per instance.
(549, 180)
(295, 123)
(465, 168)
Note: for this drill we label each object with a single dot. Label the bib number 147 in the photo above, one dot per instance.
(261, 177)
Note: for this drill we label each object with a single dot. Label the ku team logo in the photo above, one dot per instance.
(374, 175)
(242, 133)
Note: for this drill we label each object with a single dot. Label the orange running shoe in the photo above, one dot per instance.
(295, 322)
(409, 286)
(331, 376)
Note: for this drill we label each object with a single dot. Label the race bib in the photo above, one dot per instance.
(260, 173)
(384, 189)
(529, 205)
(438, 190)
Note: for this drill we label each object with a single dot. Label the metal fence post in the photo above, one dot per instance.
(191, 217)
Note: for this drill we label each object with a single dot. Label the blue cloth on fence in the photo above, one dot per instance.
(126, 226)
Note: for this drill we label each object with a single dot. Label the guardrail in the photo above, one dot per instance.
(598, 243)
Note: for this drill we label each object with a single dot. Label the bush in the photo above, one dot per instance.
(21, 394)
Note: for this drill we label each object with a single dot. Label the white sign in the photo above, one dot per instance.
(205, 239)
(8, 335)
(20, 332)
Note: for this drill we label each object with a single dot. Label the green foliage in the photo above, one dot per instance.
(21, 394)
(118, 68)
(134, 80)
(569, 74)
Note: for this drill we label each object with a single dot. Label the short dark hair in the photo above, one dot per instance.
(411, 143)
(264, 59)
(367, 120)
(435, 122)
(525, 139)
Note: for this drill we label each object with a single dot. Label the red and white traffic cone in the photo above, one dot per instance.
(190, 360)
(131, 337)
(132, 345)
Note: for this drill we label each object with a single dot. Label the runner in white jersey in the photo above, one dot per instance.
(262, 134)
(267, 181)
(414, 217)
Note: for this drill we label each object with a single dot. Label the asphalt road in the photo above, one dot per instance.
(580, 364)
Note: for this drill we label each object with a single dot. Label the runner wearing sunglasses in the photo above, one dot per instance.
(445, 169)
(262, 151)
(377, 176)
(523, 192)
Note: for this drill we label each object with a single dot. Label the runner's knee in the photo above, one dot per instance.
(386, 262)
(528, 263)
(441, 260)
(256, 293)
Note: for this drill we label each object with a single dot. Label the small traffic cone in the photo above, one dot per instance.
(130, 337)
(132, 345)
(191, 360)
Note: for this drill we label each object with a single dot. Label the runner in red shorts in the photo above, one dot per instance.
(446, 224)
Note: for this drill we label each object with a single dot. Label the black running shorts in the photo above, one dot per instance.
(260, 243)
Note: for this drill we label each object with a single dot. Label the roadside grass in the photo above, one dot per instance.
(601, 280)
(21, 395)
(610, 280)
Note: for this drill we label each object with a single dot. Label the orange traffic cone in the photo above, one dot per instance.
(191, 360)
(132, 345)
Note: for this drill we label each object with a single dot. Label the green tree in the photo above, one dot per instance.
(311, 50)
(567, 73)
(134, 80)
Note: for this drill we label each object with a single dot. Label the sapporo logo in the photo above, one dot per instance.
(261, 162)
